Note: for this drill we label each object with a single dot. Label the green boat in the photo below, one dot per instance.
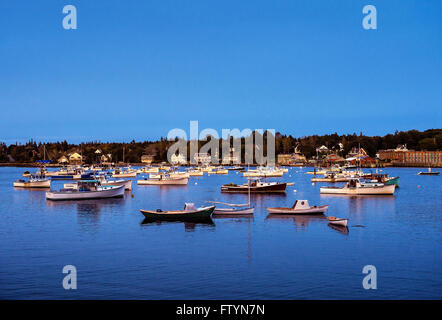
(190, 213)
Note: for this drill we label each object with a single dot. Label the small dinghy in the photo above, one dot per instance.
(429, 173)
(190, 213)
(338, 221)
(299, 207)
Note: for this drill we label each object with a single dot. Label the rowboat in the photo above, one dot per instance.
(87, 189)
(190, 213)
(355, 187)
(233, 211)
(164, 180)
(33, 182)
(429, 173)
(256, 186)
(338, 221)
(299, 207)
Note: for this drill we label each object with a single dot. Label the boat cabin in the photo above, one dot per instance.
(88, 185)
(301, 204)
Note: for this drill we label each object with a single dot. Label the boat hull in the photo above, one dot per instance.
(110, 192)
(311, 210)
(126, 183)
(274, 188)
(198, 215)
(233, 211)
(33, 184)
(381, 190)
(175, 181)
(124, 175)
(339, 222)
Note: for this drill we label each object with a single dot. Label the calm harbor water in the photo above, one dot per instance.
(117, 256)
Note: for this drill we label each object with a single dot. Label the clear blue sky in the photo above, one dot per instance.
(136, 69)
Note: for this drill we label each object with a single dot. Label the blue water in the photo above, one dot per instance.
(119, 257)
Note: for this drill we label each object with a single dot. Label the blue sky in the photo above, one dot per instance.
(136, 69)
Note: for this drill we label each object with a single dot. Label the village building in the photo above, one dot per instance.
(401, 156)
(178, 159)
(147, 158)
(75, 158)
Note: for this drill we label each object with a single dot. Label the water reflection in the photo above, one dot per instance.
(301, 221)
(364, 203)
(189, 226)
(93, 206)
(341, 229)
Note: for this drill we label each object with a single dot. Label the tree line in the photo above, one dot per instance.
(131, 152)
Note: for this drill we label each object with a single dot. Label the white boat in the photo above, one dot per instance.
(164, 180)
(264, 173)
(355, 187)
(129, 173)
(105, 183)
(299, 207)
(87, 189)
(233, 211)
(33, 182)
(338, 221)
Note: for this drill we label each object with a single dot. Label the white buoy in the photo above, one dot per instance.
(294, 191)
(196, 183)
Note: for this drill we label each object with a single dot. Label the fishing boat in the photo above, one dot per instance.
(256, 186)
(235, 168)
(148, 170)
(105, 183)
(219, 170)
(263, 173)
(383, 178)
(195, 172)
(299, 207)
(355, 187)
(331, 177)
(338, 221)
(189, 213)
(33, 182)
(164, 179)
(86, 189)
(429, 173)
(118, 173)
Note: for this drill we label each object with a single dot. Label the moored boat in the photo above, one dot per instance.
(299, 207)
(355, 187)
(429, 173)
(33, 182)
(338, 221)
(87, 189)
(189, 213)
(256, 186)
(164, 179)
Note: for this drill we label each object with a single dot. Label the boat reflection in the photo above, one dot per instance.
(301, 221)
(92, 206)
(189, 226)
(341, 229)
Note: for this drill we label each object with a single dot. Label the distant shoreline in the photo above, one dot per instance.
(36, 165)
